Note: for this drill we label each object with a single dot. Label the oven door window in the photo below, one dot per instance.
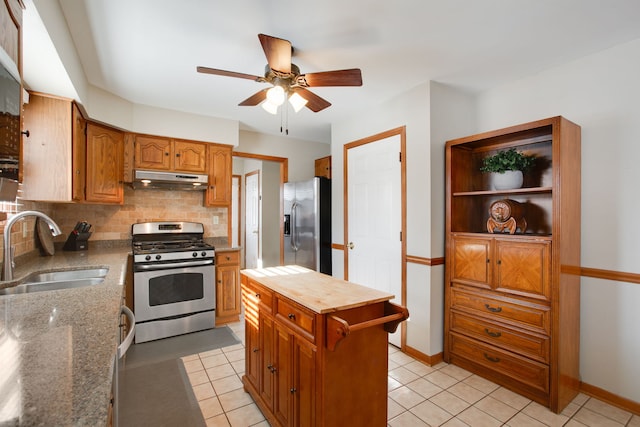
(173, 288)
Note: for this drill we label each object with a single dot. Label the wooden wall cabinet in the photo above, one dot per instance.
(166, 154)
(220, 170)
(54, 153)
(323, 167)
(228, 303)
(11, 35)
(512, 301)
(105, 160)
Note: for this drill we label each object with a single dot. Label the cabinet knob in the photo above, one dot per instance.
(493, 309)
(166, 153)
(292, 316)
(228, 258)
(292, 390)
(255, 350)
(26, 133)
(493, 334)
(491, 359)
(257, 295)
(178, 155)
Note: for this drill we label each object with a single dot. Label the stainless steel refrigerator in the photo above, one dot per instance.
(307, 224)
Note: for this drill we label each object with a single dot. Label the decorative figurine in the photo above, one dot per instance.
(506, 214)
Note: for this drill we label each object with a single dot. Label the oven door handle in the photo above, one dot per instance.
(147, 267)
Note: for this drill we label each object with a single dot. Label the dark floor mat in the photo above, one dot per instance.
(154, 389)
(176, 347)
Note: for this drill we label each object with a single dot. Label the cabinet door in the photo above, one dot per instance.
(153, 153)
(227, 292)
(267, 370)
(252, 353)
(323, 167)
(284, 375)
(47, 158)
(471, 262)
(220, 168)
(79, 153)
(523, 268)
(304, 391)
(190, 156)
(104, 164)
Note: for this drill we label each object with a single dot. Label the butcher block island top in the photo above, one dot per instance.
(316, 291)
(316, 347)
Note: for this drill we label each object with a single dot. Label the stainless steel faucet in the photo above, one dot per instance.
(8, 264)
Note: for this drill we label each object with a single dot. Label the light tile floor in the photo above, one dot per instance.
(419, 395)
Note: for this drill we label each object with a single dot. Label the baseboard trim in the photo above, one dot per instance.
(425, 358)
(610, 398)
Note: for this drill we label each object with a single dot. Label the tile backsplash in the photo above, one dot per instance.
(113, 222)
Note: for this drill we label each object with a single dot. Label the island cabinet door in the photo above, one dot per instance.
(304, 383)
(267, 375)
(252, 352)
(284, 375)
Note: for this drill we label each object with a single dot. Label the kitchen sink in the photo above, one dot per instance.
(55, 280)
(64, 275)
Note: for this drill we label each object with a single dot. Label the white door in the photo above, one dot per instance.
(252, 220)
(375, 217)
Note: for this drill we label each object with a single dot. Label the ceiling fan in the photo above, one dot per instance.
(287, 81)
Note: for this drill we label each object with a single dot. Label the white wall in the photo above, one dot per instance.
(600, 93)
(301, 154)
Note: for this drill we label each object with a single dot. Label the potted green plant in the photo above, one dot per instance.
(507, 167)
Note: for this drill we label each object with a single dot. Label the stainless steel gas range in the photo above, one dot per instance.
(173, 279)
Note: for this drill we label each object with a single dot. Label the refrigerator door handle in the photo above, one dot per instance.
(294, 230)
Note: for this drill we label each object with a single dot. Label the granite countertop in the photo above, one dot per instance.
(316, 291)
(57, 348)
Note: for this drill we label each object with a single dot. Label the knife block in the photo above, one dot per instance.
(77, 242)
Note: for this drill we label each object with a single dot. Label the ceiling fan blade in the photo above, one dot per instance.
(255, 99)
(277, 51)
(351, 77)
(217, 72)
(314, 102)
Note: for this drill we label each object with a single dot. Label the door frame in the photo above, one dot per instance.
(399, 131)
(284, 177)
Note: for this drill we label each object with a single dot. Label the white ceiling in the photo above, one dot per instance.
(146, 51)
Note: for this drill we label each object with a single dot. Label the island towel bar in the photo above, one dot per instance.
(338, 328)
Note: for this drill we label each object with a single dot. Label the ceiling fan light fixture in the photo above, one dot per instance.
(270, 107)
(297, 102)
(276, 95)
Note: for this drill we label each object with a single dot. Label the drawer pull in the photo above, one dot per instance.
(493, 309)
(258, 296)
(255, 350)
(492, 334)
(292, 316)
(491, 359)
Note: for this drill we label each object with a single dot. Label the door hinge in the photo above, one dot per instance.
(401, 236)
(400, 157)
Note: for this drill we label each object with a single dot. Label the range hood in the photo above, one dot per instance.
(144, 179)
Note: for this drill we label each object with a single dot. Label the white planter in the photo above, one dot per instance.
(507, 180)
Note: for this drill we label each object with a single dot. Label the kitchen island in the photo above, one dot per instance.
(58, 347)
(316, 347)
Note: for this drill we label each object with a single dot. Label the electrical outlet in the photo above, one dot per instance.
(215, 220)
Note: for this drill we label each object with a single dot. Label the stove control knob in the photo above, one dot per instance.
(203, 253)
(195, 254)
(148, 257)
(158, 257)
